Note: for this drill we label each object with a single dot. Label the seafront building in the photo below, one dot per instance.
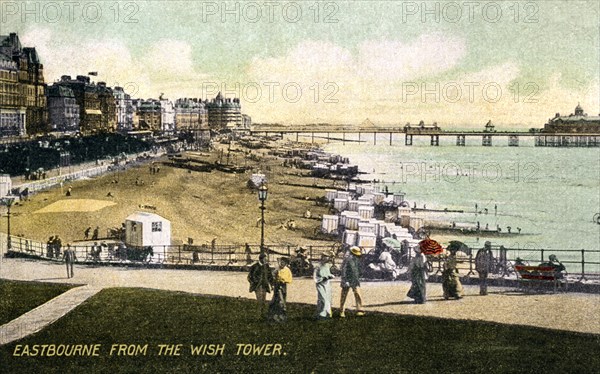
(577, 122)
(108, 108)
(96, 102)
(148, 115)
(191, 118)
(154, 115)
(23, 89)
(13, 114)
(575, 130)
(224, 113)
(190, 114)
(124, 110)
(167, 114)
(63, 111)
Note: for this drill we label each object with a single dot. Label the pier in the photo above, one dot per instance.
(433, 132)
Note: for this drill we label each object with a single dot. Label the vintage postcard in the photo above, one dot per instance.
(309, 186)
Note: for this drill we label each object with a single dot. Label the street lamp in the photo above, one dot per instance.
(8, 201)
(262, 196)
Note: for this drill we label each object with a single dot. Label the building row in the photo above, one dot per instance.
(88, 107)
(29, 106)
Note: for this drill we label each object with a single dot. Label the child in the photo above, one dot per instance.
(283, 276)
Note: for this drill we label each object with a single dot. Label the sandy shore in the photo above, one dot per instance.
(200, 205)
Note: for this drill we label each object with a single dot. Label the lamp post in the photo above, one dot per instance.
(262, 196)
(8, 201)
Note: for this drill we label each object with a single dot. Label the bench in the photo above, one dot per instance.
(540, 275)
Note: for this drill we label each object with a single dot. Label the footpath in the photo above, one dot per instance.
(568, 311)
(45, 314)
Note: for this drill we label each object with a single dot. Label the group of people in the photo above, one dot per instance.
(96, 250)
(350, 279)
(383, 262)
(451, 284)
(262, 280)
(86, 233)
(53, 247)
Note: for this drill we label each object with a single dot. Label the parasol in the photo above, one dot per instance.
(456, 245)
(392, 243)
(430, 247)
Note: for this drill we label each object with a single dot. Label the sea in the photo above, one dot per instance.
(551, 194)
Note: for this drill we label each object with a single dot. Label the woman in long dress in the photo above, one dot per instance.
(277, 307)
(322, 277)
(418, 274)
(450, 280)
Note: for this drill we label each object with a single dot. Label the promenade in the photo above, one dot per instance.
(562, 311)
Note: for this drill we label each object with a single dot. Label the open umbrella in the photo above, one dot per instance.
(456, 245)
(430, 247)
(392, 243)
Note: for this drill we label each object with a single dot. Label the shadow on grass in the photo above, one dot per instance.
(377, 342)
(19, 297)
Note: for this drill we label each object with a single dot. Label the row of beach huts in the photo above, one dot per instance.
(320, 163)
(356, 221)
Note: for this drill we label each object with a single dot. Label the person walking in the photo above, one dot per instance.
(484, 264)
(283, 277)
(418, 277)
(322, 276)
(260, 279)
(86, 233)
(69, 257)
(96, 232)
(351, 279)
(450, 279)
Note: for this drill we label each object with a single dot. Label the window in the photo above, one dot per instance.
(156, 226)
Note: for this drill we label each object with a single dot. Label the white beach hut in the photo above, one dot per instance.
(147, 229)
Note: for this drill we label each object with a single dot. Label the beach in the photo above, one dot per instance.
(200, 205)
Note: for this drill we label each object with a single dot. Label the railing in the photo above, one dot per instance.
(581, 264)
(93, 171)
(214, 255)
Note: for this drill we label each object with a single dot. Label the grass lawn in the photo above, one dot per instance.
(376, 343)
(17, 297)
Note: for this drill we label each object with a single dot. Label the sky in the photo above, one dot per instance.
(459, 64)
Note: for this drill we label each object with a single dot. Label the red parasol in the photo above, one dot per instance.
(430, 247)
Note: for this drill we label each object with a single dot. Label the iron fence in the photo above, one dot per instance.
(580, 263)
